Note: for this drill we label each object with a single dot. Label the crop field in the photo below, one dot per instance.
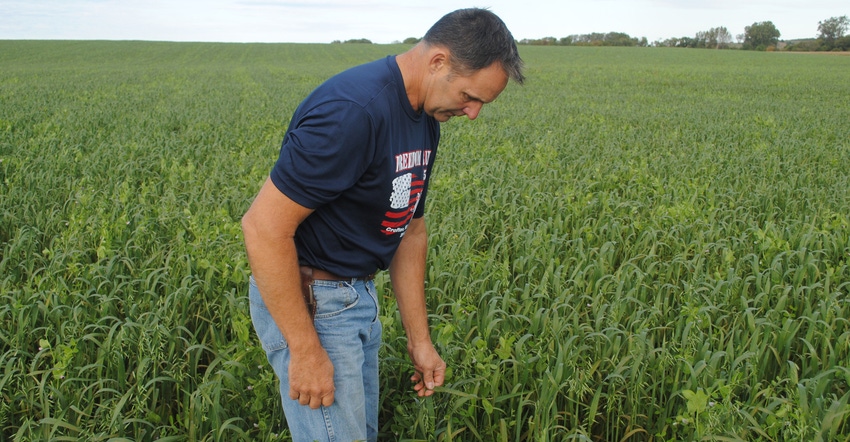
(640, 244)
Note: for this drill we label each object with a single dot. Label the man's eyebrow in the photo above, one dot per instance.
(476, 98)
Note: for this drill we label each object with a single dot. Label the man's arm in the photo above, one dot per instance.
(269, 230)
(407, 272)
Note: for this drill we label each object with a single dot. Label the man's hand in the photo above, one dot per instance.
(311, 379)
(430, 370)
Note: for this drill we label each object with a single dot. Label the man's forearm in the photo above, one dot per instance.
(408, 277)
(407, 273)
(268, 229)
(275, 270)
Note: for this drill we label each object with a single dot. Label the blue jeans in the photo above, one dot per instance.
(350, 331)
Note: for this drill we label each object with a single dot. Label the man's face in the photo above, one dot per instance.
(455, 95)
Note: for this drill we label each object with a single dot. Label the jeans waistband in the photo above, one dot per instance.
(319, 274)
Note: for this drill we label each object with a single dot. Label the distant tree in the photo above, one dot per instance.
(809, 45)
(617, 39)
(359, 41)
(411, 40)
(594, 39)
(703, 40)
(760, 36)
(607, 39)
(714, 38)
(685, 42)
(545, 41)
(832, 29)
(722, 37)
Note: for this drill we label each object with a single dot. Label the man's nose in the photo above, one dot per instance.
(472, 110)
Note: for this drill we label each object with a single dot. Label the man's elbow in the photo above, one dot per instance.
(250, 231)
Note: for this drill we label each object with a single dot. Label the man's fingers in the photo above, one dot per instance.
(439, 376)
(429, 379)
(315, 401)
(425, 387)
(429, 371)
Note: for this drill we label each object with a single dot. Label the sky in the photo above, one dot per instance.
(388, 21)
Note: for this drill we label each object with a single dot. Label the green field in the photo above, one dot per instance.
(641, 244)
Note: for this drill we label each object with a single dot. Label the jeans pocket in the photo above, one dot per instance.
(334, 299)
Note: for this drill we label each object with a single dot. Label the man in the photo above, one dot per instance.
(346, 198)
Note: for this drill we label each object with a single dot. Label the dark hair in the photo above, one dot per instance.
(476, 38)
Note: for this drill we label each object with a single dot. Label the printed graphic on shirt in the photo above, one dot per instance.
(407, 191)
(400, 198)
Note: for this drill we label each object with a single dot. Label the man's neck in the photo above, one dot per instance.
(413, 65)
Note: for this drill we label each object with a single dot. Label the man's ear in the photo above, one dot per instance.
(439, 59)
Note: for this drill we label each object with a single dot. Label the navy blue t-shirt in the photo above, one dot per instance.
(358, 154)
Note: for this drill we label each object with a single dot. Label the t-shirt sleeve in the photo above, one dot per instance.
(324, 153)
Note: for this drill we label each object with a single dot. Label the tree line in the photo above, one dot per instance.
(760, 36)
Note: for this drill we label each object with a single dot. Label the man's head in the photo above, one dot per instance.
(476, 38)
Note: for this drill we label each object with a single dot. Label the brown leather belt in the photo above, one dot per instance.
(310, 274)
(323, 275)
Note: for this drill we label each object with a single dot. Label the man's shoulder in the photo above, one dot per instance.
(373, 69)
(362, 81)
(367, 86)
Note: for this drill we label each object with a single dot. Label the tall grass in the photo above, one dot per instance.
(639, 244)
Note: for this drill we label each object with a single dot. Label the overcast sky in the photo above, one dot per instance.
(386, 21)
